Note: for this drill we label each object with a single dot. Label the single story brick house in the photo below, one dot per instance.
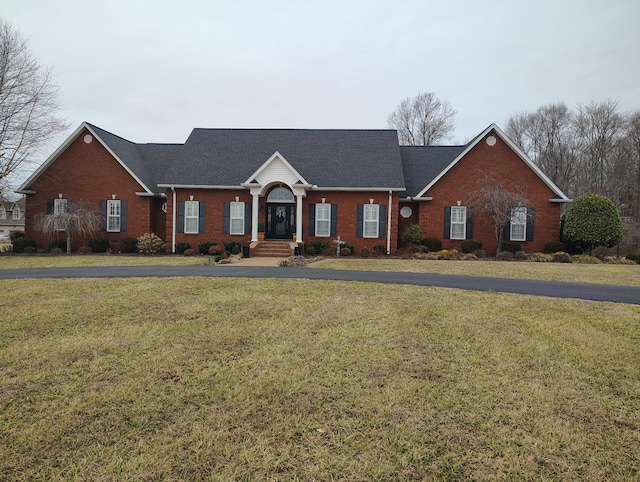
(295, 185)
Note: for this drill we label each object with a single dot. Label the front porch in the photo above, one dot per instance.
(273, 249)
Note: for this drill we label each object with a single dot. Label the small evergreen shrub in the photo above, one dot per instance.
(58, 244)
(553, 247)
(634, 257)
(504, 256)
(203, 248)
(434, 244)
(149, 243)
(311, 251)
(318, 247)
(345, 252)
(520, 256)
(413, 235)
(98, 245)
(364, 253)
(380, 250)
(511, 246)
(470, 245)
(189, 252)
(128, 245)
(230, 247)
(561, 257)
(20, 245)
(182, 247)
(13, 235)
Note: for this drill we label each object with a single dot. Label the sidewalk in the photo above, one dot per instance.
(258, 261)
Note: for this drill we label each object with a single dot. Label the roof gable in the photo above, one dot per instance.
(559, 195)
(276, 168)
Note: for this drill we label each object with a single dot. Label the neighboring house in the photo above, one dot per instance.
(300, 185)
(12, 216)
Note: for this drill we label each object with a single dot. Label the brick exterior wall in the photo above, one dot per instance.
(462, 181)
(346, 224)
(87, 172)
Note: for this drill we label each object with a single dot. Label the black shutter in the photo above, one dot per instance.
(201, 217)
(312, 219)
(447, 222)
(334, 220)
(531, 219)
(506, 232)
(226, 218)
(180, 217)
(103, 214)
(382, 221)
(469, 223)
(359, 220)
(49, 206)
(123, 216)
(247, 218)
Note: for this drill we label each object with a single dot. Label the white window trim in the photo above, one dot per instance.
(195, 207)
(372, 208)
(3, 212)
(59, 207)
(110, 203)
(16, 213)
(232, 218)
(462, 223)
(514, 222)
(327, 209)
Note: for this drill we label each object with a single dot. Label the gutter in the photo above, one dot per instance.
(173, 224)
(389, 223)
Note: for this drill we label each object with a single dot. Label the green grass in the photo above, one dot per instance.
(67, 261)
(612, 274)
(234, 379)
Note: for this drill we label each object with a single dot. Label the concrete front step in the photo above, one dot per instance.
(272, 249)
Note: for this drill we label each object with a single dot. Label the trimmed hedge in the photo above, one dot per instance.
(20, 244)
(470, 245)
(128, 245)
(434, 244)
(58, 244)
(511, 246)
(98, 245)
(554, 247)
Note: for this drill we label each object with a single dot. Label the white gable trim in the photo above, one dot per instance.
(275, 157)
(516, 149)
(23, 188)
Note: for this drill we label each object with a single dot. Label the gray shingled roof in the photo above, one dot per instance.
(327, 158)
(422, 164)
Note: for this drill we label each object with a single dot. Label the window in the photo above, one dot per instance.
(370, 227)
(191, 215)
(59, 207)
(16, 212)
(518, 224)
(323, 219)
(113, 216)
(237, 218)
(458, 222)
(3, 213)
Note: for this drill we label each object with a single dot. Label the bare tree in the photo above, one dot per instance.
(28, 103)
(77, 219)
(496, 201)
(423, 120)
(599, 128)
(548, 139)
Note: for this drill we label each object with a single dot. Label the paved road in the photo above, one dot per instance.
(596, 292)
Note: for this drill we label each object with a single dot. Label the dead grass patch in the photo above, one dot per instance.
(227, 379)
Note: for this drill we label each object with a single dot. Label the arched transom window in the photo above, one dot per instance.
(280, 194)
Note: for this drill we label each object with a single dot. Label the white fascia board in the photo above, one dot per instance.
(63, 147)
(555, 200)
(359, 189)
(515, 148)
(269, 161)
(43, 167)
(198, 186)
(113, 154)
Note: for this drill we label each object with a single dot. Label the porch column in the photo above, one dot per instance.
(299, 218)
(254, 216)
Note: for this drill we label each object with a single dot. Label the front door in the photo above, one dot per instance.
(281, 221)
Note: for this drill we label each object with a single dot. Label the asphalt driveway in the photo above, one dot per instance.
(595, 292)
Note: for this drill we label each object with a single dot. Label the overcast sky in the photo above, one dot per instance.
(152, 70)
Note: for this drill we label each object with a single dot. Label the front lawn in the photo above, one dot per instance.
(238, 379)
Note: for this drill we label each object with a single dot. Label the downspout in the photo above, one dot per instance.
(173, 223)
(389, 223)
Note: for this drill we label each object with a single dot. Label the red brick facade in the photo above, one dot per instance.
(87, 171)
